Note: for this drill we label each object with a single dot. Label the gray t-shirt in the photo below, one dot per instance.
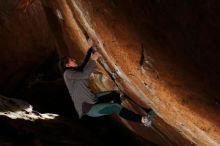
(77, 84)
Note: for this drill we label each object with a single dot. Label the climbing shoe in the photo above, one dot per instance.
(123, 97)
(147, 120)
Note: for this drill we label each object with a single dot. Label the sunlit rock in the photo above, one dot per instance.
(163, 54)
(18, 109)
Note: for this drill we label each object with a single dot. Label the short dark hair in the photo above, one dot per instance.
(63, 61)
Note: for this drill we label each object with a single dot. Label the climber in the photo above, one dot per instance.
(90, 104)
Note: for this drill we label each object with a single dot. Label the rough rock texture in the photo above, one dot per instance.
(28, 65)
(163, 54)
(25, 40)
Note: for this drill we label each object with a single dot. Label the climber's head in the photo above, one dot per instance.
(71, 62)
(68, 62)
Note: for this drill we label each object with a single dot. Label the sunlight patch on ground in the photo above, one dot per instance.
(18, 109)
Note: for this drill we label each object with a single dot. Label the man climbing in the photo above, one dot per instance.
(90, 104)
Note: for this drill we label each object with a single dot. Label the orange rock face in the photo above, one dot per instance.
(164, 55)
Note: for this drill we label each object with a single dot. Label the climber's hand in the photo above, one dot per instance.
(90, 43)
(95, 56)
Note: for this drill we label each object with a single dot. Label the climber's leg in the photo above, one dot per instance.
(110, 108)
(108, 96)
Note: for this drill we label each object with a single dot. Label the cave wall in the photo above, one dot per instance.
(178, 74)
(30, 36)
(25, 41)
(163, 54)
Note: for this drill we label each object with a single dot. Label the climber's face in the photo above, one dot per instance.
(71, 63)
